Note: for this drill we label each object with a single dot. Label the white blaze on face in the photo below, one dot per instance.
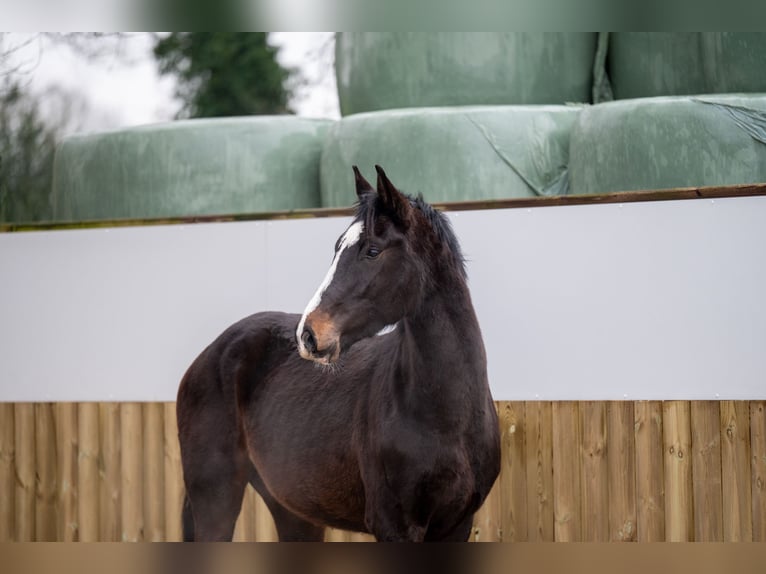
(349, 238)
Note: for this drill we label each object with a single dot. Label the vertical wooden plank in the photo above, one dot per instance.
(244, 529)
(66, 457)
(7, 473)
(539, 470)
(265, 530)
(335, 535)
(487, 521)
(650, 475)
(594, 481)
(566, 472)
(736, 474)
(154, 472)
(621, 462)
(679, 509)
(131, 487)
(758, 458)
(706, 471)
(24, 496)
(513, 488)
(110, 479)
(88, 472)
(45, 464)
(174, 484)
(239, 526)
(362, 537)
(248, 510)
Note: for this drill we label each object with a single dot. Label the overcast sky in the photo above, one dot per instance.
(126, 89)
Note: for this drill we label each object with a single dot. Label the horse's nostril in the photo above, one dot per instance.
(308, 340)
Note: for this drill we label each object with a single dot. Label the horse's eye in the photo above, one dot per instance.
(372, 252)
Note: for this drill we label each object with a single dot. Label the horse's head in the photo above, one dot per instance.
(375, 277)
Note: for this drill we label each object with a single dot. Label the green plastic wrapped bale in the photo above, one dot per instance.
(645, 64)
(187, 168)
(661, 143)
(452, 154)
(388, 70)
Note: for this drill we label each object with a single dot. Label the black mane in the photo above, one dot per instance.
(440, 224)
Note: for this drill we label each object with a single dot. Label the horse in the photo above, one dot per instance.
(370, 412)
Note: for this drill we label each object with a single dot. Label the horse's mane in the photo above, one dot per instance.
(440, 224)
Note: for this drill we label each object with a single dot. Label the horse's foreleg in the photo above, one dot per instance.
(388, 523)
(460, 533)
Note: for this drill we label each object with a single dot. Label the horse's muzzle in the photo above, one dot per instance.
(319, 342)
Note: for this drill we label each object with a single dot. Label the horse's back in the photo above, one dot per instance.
(249, 340)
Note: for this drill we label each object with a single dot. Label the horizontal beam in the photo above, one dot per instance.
(713, 192)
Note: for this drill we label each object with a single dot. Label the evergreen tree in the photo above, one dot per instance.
(27, 146)
(224, 73)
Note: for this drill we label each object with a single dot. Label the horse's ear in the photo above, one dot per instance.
(392, 199)
(363, 187)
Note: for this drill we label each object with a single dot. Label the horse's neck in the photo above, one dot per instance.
(442, 354)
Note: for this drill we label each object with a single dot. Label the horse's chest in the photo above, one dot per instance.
(425, 466)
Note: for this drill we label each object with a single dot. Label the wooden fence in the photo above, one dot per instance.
(590, 471)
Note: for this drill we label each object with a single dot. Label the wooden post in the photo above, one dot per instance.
(595, 475)
(679, 518)
(539, 470)
(736, 474)
(486, 522)
(154, 472)
(111, 478)
(87, 472)
(706, 471)
(244, 530)
(45, 463)
(131, 484)
(335, 535)
(66, 457)
(24, 496)
(249, 509)
(513, 476)
(566, 472)
(239, 526)
(265, 529)
(758, 457)
(7, 473)
(621, 462)
(174, 486)
(362, 537)
(650, 481)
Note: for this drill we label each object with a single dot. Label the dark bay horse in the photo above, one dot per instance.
(370, 412)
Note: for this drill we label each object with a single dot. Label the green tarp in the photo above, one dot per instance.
(645, 64)
(194, 167)
(388, 70)
(453, 154)
(659, 143)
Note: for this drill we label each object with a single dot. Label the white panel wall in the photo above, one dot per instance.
(657, 300)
